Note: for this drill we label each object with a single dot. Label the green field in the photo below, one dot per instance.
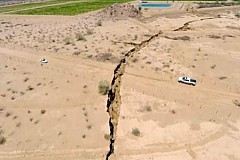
(32, 5)
(72, 7)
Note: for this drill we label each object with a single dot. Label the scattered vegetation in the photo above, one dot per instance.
(136, 132)
(103, 87)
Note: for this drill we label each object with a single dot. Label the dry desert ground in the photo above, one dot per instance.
(54, 111)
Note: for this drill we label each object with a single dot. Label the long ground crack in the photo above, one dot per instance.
(114, 96)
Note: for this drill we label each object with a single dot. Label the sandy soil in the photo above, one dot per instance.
(54, 111)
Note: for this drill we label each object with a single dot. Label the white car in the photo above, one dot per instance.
(187, 80)
(43, 60)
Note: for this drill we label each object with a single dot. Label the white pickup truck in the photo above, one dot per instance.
(187, 80)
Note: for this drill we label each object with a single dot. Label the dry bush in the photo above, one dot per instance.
(222, 77)
(148, 108)
(136, 132)
(99, 23)
(134, 60)
(43, 111)
(36, 122)
(89, 126)
(68, 40)
(103, 87)
(184, 38)
(8, 114)
(80, 37)
(173, 111)
(236, 102)
(213, 66)
(18, 124)
(214, 36)
(237, 15)
(148, 62)
(8, 82)
(135, 37)
(30, 88)
(2, 140)
(107, 137)
(107, 57)
(89, 31)
(76, 53)
(26, 79)
(166, 65)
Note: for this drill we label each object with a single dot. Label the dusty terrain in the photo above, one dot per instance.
(54, 111)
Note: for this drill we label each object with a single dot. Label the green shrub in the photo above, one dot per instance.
(103, 87)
